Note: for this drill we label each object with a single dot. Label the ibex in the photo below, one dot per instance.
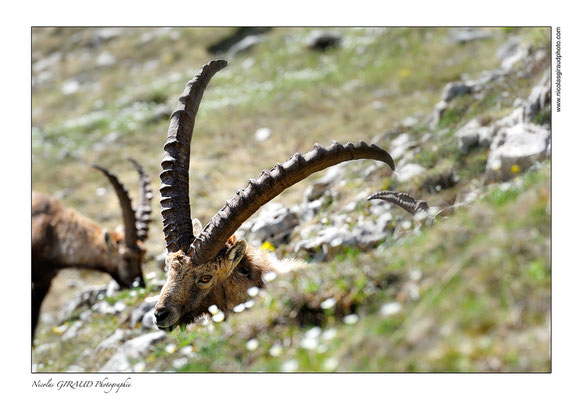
(210, 266)
(63, 238)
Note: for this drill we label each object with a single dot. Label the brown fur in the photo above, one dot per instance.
(236, 268)
(63, 238)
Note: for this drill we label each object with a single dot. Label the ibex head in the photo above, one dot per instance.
(125, 249)
(201, 262)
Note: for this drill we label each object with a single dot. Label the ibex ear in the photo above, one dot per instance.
(235, 255)
(232, 240)
(107, 239)
(196, 226)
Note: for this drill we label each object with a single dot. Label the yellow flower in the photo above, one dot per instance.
(268, 246)
(515, 169)
(405, 72)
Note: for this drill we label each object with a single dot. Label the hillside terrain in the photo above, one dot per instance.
(465, 113)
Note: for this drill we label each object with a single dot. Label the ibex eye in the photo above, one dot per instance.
(205, 278)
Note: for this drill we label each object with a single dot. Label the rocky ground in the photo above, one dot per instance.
(465, 287)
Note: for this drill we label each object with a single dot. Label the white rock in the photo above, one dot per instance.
(408, 172)
(520, 145)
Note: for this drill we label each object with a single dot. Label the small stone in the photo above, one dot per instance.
(262, 134)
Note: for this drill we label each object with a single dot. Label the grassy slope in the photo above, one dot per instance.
(484, 291)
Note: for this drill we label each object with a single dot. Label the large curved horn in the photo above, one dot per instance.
(175, 164)
(144, 210)
(271, 183)
(403, 200)
(128, 215)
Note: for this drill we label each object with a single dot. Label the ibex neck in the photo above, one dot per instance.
(83, 244)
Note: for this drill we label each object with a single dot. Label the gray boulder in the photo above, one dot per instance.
(321, 185)
(111, 341)
(515, 149)
(473, 134)
(323, 40)
(274, 224)
(88, 297)
(465, 35)
(539, 98)
(511, 52)
(138, 313)
(132, 349)
(454, 89)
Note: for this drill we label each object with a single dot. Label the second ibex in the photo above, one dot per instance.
(210, 265)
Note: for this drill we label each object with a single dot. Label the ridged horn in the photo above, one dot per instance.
(144, 210)
(128, 215)
(174, 190)
(271, 183)
(403, 200)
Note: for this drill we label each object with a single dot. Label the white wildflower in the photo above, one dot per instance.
(391, 308)
(252, 344)
(151, 275)
(249, 304)
(186, 350)
(350, 319)
(140, 366)
(313, 333)
(415, 274)
(309, 343)
(213, 309)
(239, 307)
(170, 348)
(179, 363)
(289, 366)
(275, 350)
(269, 276)
(219, 316)
(322, 348)
(330, 364)
(329, 334)
(328, 303)
(253, 291)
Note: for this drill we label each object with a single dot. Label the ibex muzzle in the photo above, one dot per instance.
(210, 266)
